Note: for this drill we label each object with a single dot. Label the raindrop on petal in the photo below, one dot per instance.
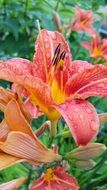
(81, 116)
(76, 109)
(48, 55)
(88, 110)
(53, 35)
(101, 85)
(93, 125)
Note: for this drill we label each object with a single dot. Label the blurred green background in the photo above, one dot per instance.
(18, 32)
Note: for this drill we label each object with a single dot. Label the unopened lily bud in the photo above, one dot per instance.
(103, 118)
(85, 164)
(57, 21)
(87, 152)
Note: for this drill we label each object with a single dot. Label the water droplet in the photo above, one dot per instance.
(47, 45)
(75, 126)
(101, 85)
(88, 110)
(93, 125)
(46, 39)
(48, 55)
(53, 35)
(81, 116)
(76, 109)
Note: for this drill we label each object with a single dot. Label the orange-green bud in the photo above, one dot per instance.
(103, 118)
(87, 152)
(85, 164)
(57, 21)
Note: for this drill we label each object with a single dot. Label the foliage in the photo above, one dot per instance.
(18, 32)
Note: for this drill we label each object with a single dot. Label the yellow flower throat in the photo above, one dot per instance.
(49, 175)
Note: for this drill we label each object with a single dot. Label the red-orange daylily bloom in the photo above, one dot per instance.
(13, 185)
(17, 140)
(59, 86)
(97, 47)
(55, 178)
(83, 21)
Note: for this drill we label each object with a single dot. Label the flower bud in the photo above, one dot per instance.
(57, 21)
(85, 164)
(103, 118)
(87, 152)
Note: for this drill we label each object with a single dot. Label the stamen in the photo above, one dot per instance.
(61, 60)
(56, 54)
(57, 50)
(62, 56)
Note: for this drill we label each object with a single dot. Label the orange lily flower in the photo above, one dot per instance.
(59, 86)
(83, 21)
(97, 47)
(55, 178)
(13, 185)
(17, 140)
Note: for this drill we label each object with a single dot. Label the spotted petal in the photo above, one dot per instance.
(35, 86)
(91, 82)
(82, 120)
(45, 46)
(21, 65)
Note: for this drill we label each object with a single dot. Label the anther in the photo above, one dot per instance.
(56, 54)
(57, 50)
(62, 56)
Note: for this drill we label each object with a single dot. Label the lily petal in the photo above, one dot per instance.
(23, 146)
(61, 180)
(35, 86)
(45, 46)
(83, 21)
(7, 160)
(19, 63)
(79, 66)
(81, 118)
(34, 110)
(90, 82)
(15, 119)
(4, 130)
(5, 96)
(13, 185)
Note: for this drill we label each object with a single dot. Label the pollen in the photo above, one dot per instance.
(97, 52)
(49, 175)
(60, 64)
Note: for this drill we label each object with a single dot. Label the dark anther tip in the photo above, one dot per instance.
(62, 56)
(57, 50)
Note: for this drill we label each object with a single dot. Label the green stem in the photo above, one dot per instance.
(53, 131)
(29, 178)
